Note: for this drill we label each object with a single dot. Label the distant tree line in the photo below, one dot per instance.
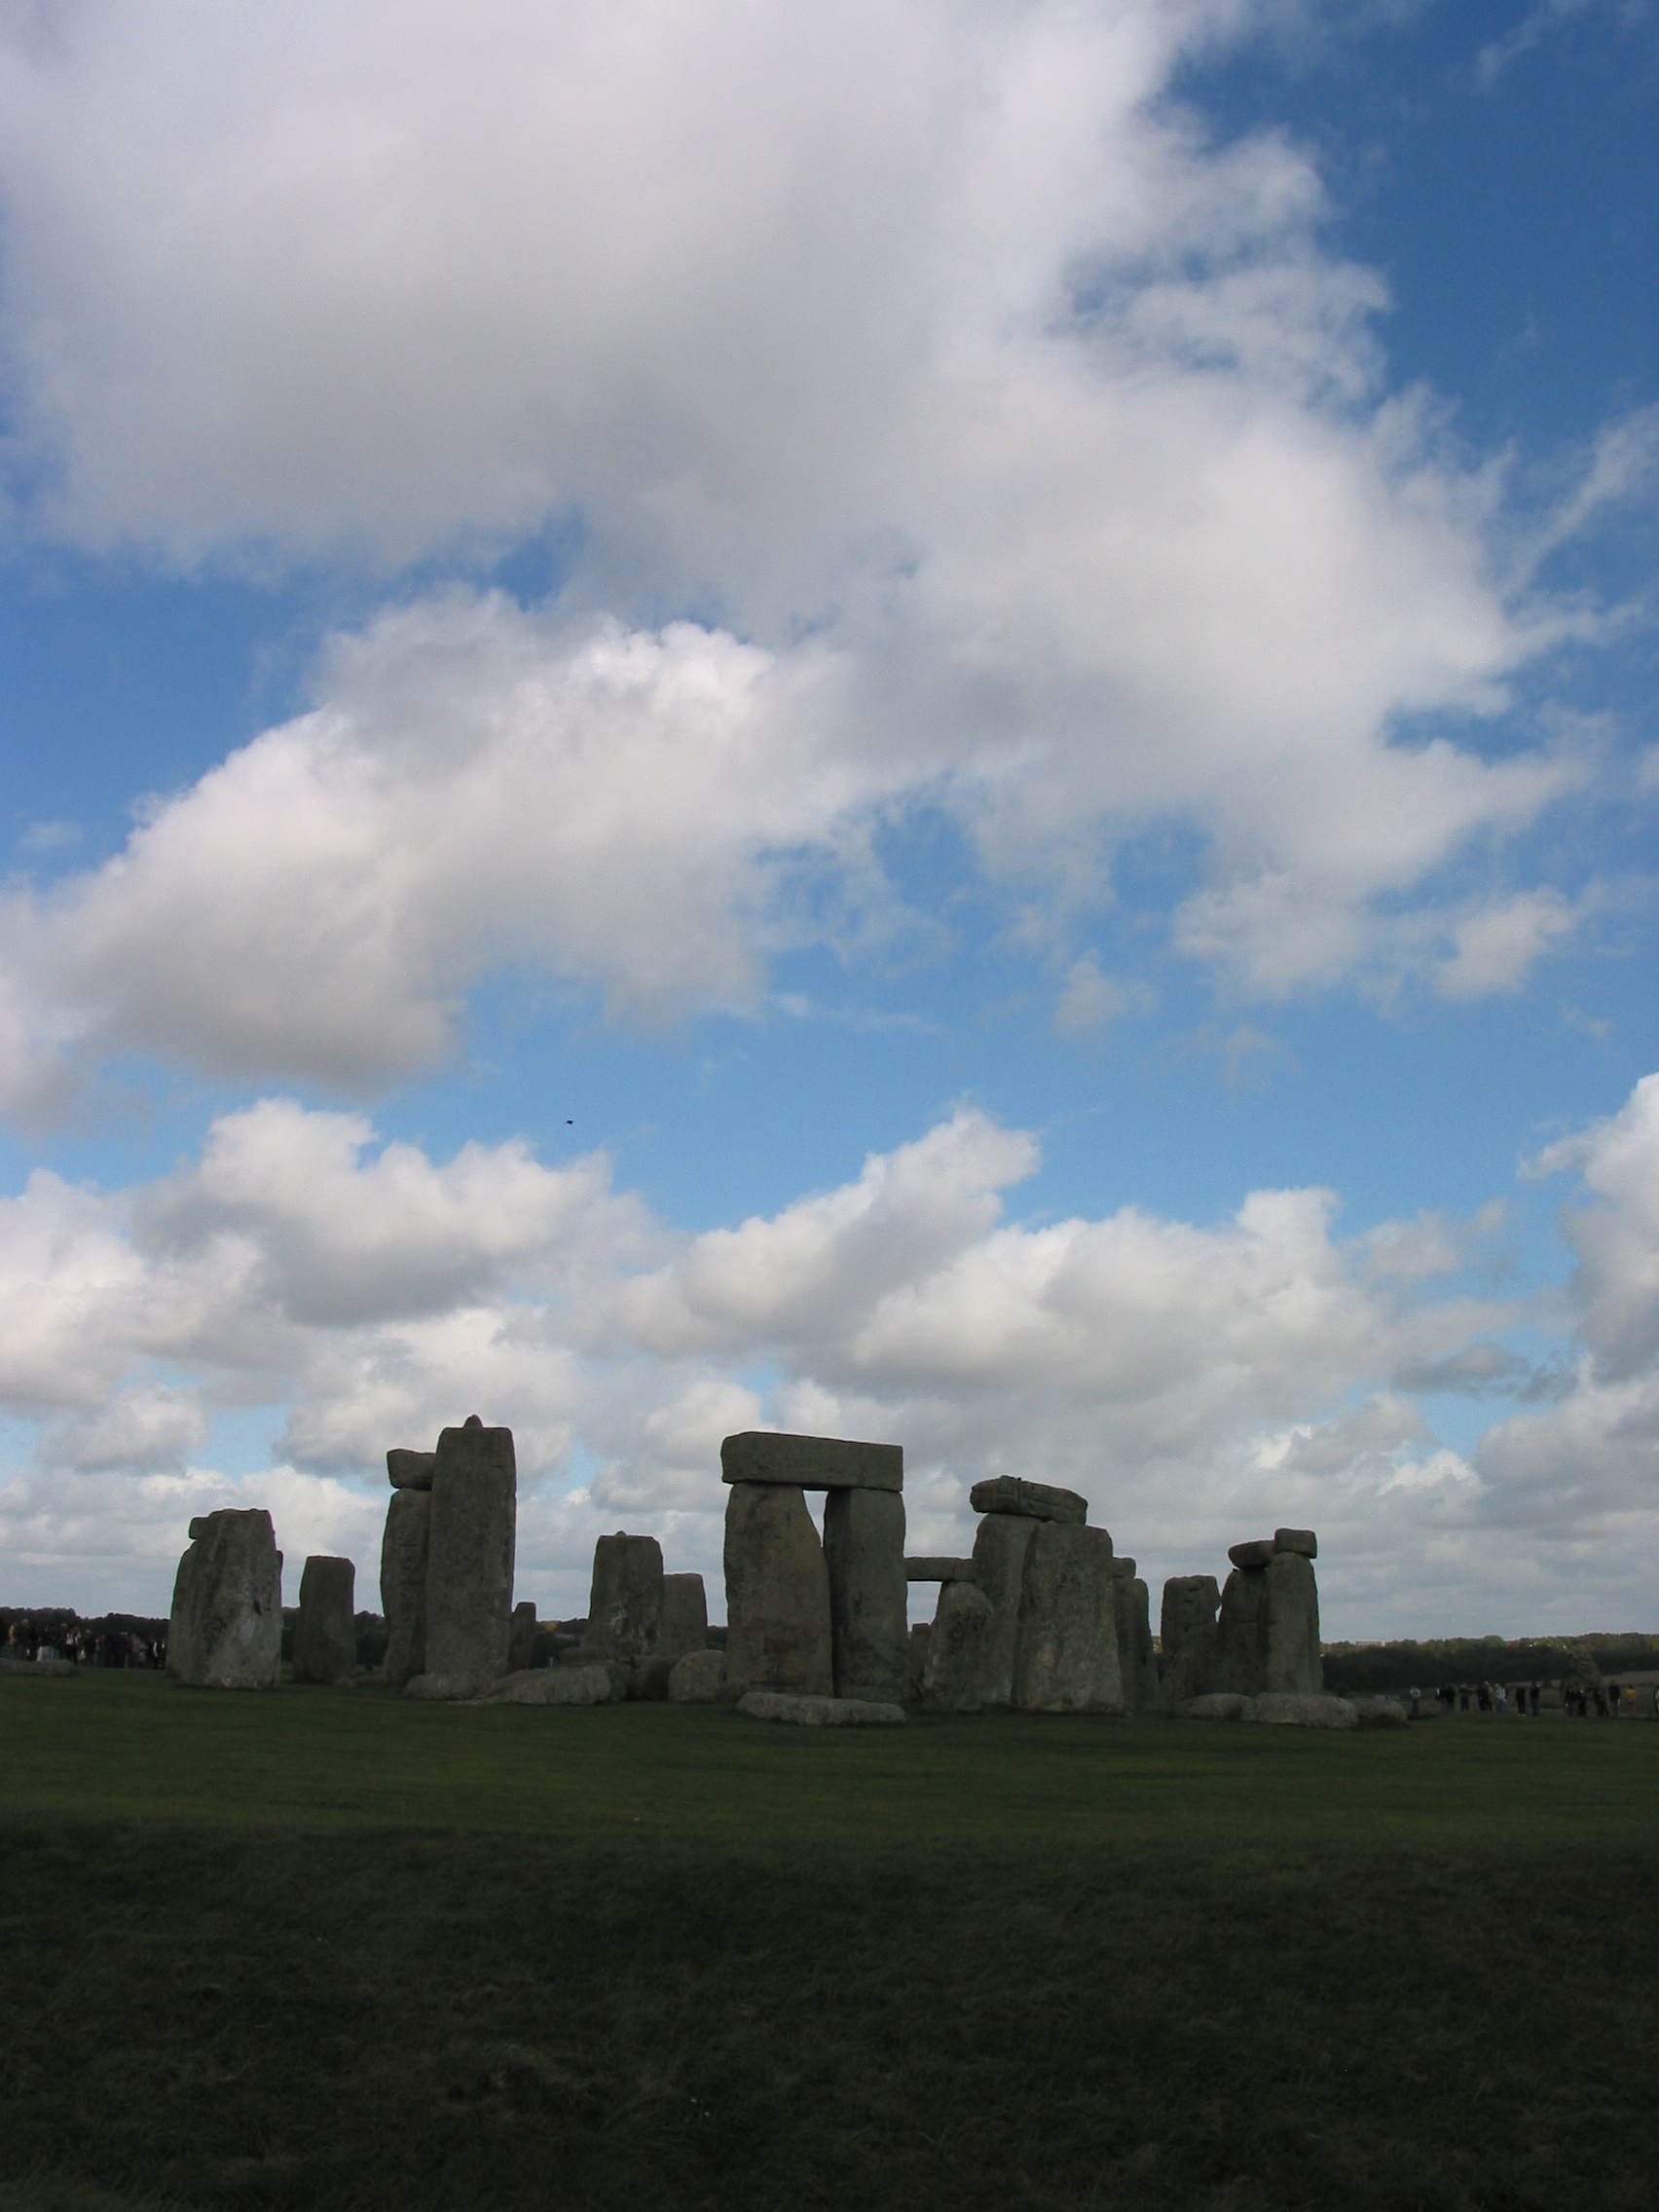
(1357, 1669)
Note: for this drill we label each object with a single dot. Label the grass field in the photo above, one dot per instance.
(333, 1950)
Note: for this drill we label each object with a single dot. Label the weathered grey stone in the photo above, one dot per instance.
(1380, 1713)
(1214, 1704)
(225, 1629)
(1033, 1501)
(1191, 1638)
(811, 1463)
(1254, 1554)
(325, 1634)
(1284, 1711)
(446, 1689)
(1241, 1658)
(1294, 1663)
(777, 1594)
(1001, 1543)
(941, 1570)
(37, 1668)
(695, 1680)
(555, 1685)
(684, 1618)
(1137, 1666)
(955, 1664)
(916, 1662)
(521, 1636)
(1067, 1656)
(864, 1552)
(403, 1584)
(820, 1712)
(1302, 1540)
(410, 1471)
(470, 1562)
(625, 1607)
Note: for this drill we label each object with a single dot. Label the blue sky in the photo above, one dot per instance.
(937, 724)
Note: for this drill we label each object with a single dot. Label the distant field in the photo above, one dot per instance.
(326, 1948)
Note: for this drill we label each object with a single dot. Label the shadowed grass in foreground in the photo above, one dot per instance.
(328, 1948)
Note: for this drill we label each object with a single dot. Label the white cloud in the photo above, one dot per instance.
(1497, 946)
(934, 337)
(1197, 1381)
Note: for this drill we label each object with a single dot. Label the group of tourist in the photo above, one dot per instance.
(82, 1647)
(1605, 1699)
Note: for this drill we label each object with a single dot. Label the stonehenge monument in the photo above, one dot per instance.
(225, 1632)
(469, 1560)
(326, 1634)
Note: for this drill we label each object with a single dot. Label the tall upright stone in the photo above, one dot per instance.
(1294, 1662)
(684, 1618)
(521, 1637)
(958, 1662)
(470, 1549)
(1136, 1663)
(1000, 1545)
(1191, 1638)
(1066, 1657)
(403, 1584)
(777, 1594)
(325, 1634)
(226, 1628)
(1241, 1658)
(625, 1602)
(863, 1551)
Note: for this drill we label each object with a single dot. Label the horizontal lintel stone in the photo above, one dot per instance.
(941, 1570)
(1302, 1540)
(1034, 1501)
(1256, 1554)
(811, 1463)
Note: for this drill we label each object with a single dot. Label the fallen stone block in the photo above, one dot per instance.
(864, 1555)
(1380, 1713)
(811, 1463)
(445, 1689)
(325, 1632)
(1066, 1658)
(941, 1570)
(226, 1628)
(403, 1584)
(1033, 1501)
(1302, 1540)
(410, 1471)
(1254, 1554)
(820, 1712)
(695, 1680)
(470, 1548)
(1282, 1710)
(1214, 1704)
(555, 1685)
(38, 1670)
(777, 1594)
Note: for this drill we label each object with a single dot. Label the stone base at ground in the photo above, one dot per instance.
(1214, 1704)
(695, 1680)
(554, 1685)
(44, 1669)
(777, 1594)
(1287, 1710)
(325, 1634)
(226, 1628)
(445, 1689)
(820, 1712)
(1382, 1712)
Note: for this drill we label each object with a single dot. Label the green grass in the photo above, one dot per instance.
(331, 1949)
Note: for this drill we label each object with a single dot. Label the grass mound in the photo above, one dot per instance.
(328, 1949)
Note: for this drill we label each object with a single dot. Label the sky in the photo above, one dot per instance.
(922, 720)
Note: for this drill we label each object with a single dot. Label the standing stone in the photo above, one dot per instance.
(916, 1661)
(1000, 1546)
(625, 1607)
(403, 1584)
(684, 1618)
(1191, 1638)
(956, 1669)
(1241, 1658)
(226, 1628)
(521, 1637)
(1136, 1664)
(1295, 1667)
(325, 1634)
(863, 1551)
(695, 1678)
(1067, 1655)
(777, 1594)
(469, 1564)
